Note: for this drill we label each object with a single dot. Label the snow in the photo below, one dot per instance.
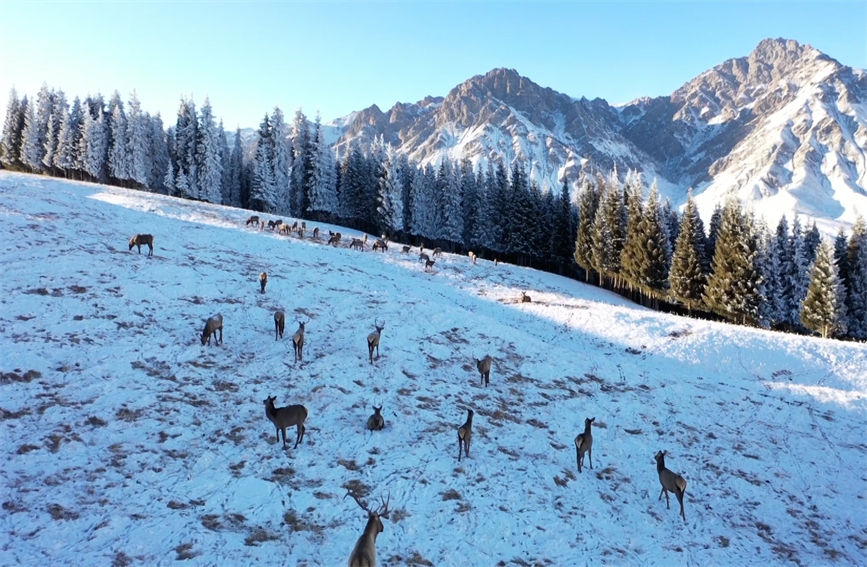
(135, 444)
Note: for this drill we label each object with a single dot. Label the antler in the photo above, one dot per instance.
(357, 501)
(383, 510)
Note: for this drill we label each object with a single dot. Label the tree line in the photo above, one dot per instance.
(617, 234)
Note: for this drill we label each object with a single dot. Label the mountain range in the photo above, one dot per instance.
(784, 129)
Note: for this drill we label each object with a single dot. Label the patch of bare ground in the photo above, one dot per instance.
(185, 551)
(121, 559)
(451, 494)
(223, 386)
(530, 562)
(568, 475)
(259, 535)
(357, 487)
(59, 512)
(414, 559)
(13, 507)
(155, 368)
(9, 414)
(19, 376)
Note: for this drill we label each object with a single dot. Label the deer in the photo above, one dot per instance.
(358, 243)
(437, 252)
(253, 220)
(285, 229)
(279, 324)
(465, 434)
(263, 280)
(212, 325)
(525, 298)
(285, 417)
(364, 552)
(584, 444)
(333, 238)
(472, 256)
(315, 233)
(671, 482)
(298, 341)
(272, 224)
(376, 422)
(484, 366)
(381, 244)
(373, 340)
(140, 239)
(428, 265)
(405, 249)
(422, 257)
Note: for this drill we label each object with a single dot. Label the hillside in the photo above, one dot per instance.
(128, 442)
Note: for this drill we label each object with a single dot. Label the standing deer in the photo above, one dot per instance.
(428, 265)
(373, 340)
(484, 366)
(298, 341)
(140, 239)
(380, 243)
(279, 324)
(212, 325)
(584, 443)
(316, 233)
(465, 434)
(376, 422)
(364, 552)
(253, 220)
(671, 482)
(285, 417)
(263, 279)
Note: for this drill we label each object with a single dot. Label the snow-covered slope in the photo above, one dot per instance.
(127, 442)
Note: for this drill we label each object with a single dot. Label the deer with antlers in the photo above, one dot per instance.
(373, 340)
(364, 552)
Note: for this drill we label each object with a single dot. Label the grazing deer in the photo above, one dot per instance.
(333, 238)
(140, 239)
(671, 482)
(584, 444)
(298, 341)
(316, 233)
(465, 435)
(437, 252)
(285, 417)
(364, 552)
(422, 257)
(376, 422)
(381, 244)
(263, 279)
(373, 340)
(358, 243)
(484, 366)
(253, 220)
(428, 265)
(525, 298)
(279, 324)
(212, 325)
(272, 224)
(284, 229)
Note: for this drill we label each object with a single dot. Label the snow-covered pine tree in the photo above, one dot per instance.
(777, 274)
(689, 268)
(59, 110)
(500, 207)
(158, 160)
(390, 193)
(232, 195)
(609, 230)
(424, 204)
(733, 287)
(821, 310)
(68, 139)
(645, 259)
(856, 292)
(449, 199)
(186, 138)
(93, 148)
(13, 131)
(480, 233)
(35, 130)
(138, 144)
(713, 229)
(288, 200)
(562, 229)
(263, 194)
(469, 203)
(209, 162)
(119, 163)
(588, 203)
(302, 165)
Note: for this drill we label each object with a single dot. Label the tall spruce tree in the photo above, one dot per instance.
(821, 310)
(209, 161)
(119, 165)
(302, 165)
(689, 267)
(13, 130)
(263, 193)
(323, 185)
(856, 292)
(59, 111)
(645, 256)
(588, 203)
(563, 229)
(185, 140)
(68, 139)
(609, 231)
(286, 192)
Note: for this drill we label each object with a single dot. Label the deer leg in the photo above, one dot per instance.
(459, 446)
(590, 456)
(660, 493)
(578, 458)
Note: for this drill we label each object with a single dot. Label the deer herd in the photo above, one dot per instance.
(364, 553)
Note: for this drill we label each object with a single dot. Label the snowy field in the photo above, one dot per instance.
(127, 442)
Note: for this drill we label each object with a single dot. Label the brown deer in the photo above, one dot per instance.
(584, 444)
(465, 435)
(285, 417)
(316, 233)
(140, 239)
(364, 552)
(525, 298)
(405, 249)
(263, 280)
(279, 324)
(484, 366)
(428, 265)
(358, 243)
(376, 422)
(298, 341)
(253, 220)
(437, 252)
(333, 238)
(373, 340)
(671, 482)
(422, 257)
(381, 244)
(212, 325)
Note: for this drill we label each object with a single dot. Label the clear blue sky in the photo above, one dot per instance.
(341, 56)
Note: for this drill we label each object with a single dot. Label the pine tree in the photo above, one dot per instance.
(139, 144)
(323, 184)
(450, 215)
(609, 231)
(68, 139)
(232, 188)
(779, 277)
(59, 110)
(158, 151)
(263, 194)
(119, 163)
(470, 201)
(733, 287)
(93, 148)
(424, 204)
(302, 168)
(185, 140)
(821, 310)
(688, 274)
(35, 129)
(289, 202)
(563, 230)
(645, 255)
(209, 162)
(390, 193)
(856, 292)
(13, 131)
(588, 203)
(713, 229)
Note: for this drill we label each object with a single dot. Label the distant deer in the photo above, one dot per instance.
(253, 220)
(465, 435)
(376, 422)
(422, 257)
(373, 340)
(364, 553)
(286, 417)
(279, 324)
(298, 341)
(472, 256)
(358, 243)
(140, 239)
(525, 298)
(381, 244)
(333, 238)
(428, 265)
(316, 233)
(671, 482)
(584, 444)
(263, 279)
(405, 249)
(484, 366)
(437, 252)
(212, 325)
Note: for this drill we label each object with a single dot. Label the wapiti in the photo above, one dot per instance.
(279, 324)
(376, 422)
(212, 325)
(465, 435)
(286, 417)
(263, 280)
(298, 340)
(358, 243)
(428, 265)
(472, 256)
(525, 298)
(373, 340)
(381, 244)
(333, 238)
(671, 482)
(253, 220)
(584, 444)
(364, 552)
(484, 366)
(405, 249)
(423, 257)
(437, 252)
(140, 239)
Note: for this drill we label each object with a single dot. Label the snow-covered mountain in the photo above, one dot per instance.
(127, 442)
(784, 129)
